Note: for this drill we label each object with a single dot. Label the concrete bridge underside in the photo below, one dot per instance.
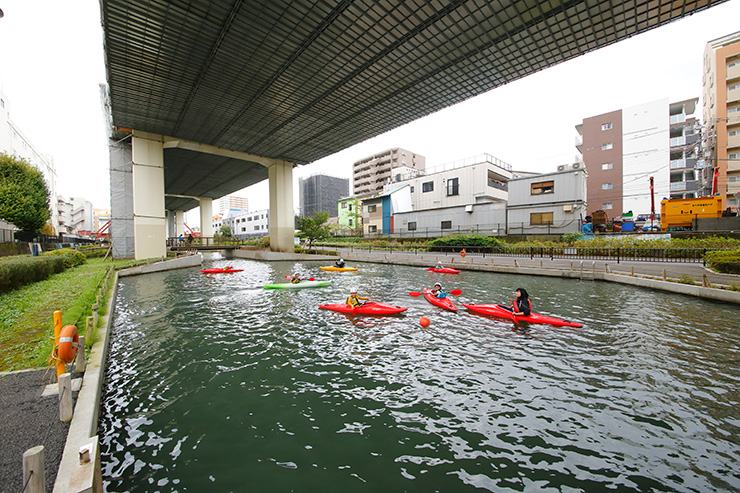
(207, 97)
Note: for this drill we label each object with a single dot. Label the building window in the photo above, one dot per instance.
(733, 156)
(733, 64)
(606, 166)
(446, 225)
(607, 205)
(452, 187)
(543, 187)
(733, 133)
(350, 208)
(607, 146)
(606, 126)
(412, 226)
(344, 205)
(540, 218)
(736, 86)
(372, 229)
(607, 186)
(412, 189)
(350, 223)
(427, 186)
(372, 208)
(733, 110)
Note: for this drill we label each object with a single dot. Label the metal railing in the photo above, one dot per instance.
(618, 254)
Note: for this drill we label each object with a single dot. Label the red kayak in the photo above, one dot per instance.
(215, 270)
(369, 308)
(444, 270)
(534, 318)
(445, 303)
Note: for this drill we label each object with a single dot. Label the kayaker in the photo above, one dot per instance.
(354, 299)
(339, 263)
(522, 305)
(439, 265)
(438, 292)
(296, 278)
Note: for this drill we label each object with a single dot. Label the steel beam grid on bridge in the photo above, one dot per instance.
(298, 80)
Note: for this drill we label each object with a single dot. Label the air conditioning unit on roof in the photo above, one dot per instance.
(577, 165)
(561, 167)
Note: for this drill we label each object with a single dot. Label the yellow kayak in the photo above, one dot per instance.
(339, 269)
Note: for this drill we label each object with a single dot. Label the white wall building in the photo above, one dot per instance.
(14, 143)
(245, 225)
(548, 203)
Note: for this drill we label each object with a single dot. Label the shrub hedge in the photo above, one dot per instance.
(727, 261)
(18, 271)
(70, 256)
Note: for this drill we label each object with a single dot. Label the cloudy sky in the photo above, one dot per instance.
(51, 65)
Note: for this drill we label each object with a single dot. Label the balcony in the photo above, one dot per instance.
(579, 144)
(678, 186)
(681, 118)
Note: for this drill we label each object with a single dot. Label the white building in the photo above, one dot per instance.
(245, 225)
(548, 203)
(371, 173)
(465, 195)
(14, 143)
(233, 203)
(76, 216)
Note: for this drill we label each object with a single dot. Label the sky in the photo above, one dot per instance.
(51, 65)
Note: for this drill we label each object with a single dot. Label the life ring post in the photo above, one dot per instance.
(57, 334)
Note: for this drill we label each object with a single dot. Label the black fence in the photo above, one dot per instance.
(618, 254)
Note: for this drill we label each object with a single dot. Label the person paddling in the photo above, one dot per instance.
(522, 305)
(296, 278)
(339, 263)
(439, 265)
(438, 292)
(354, 299)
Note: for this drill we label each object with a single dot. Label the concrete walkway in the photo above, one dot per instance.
(657, 275)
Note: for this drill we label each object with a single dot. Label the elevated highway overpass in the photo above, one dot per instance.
(207, 97)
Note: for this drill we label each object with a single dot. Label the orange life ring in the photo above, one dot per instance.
(68, 339)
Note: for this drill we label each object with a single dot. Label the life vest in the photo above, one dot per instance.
(353, 301)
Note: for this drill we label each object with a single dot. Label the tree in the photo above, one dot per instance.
(24, 198)
(225, 231)
(314, 227)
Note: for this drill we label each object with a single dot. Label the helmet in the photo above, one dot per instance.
(353, 291)
(437, 284)
(341, 260)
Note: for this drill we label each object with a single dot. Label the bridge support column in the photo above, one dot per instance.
(179, 223)
(150, 224)
(206, 217)
(282, 222)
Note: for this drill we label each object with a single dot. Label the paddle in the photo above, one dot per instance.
(291, 277)
(454, 292)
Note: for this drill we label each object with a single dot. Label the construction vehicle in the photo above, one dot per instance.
(679, 214)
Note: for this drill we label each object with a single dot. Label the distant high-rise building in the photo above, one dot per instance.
(320, 193)
(233, 203)
(622, 149)
(722, 117)
(370, 174)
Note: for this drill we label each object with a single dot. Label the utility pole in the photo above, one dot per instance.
(652, 203)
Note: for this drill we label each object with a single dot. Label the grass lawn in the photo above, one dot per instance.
(26, 323)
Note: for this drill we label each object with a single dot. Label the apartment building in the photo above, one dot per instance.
(76, 216)
(721, 82)
(320, 193)
(13, 142)
(233, 203)
(372, 173)
(622, 149)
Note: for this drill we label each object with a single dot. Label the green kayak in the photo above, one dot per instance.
(299, 285)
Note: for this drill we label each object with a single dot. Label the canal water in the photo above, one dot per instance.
(215, 384)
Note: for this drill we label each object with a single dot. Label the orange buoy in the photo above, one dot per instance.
(424, 322)
(68, 339)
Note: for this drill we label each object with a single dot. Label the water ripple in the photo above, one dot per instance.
(211, 376)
